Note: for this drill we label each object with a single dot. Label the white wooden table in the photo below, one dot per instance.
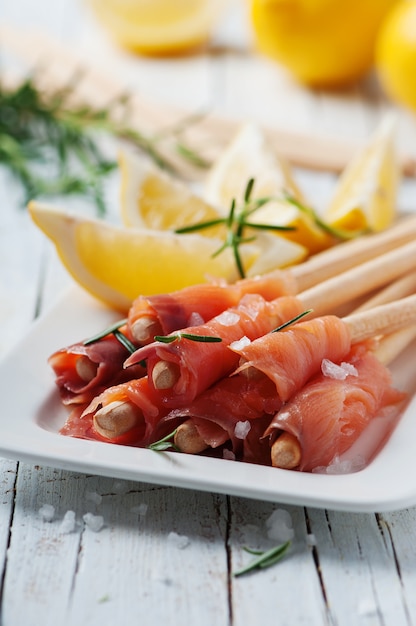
(343, 568)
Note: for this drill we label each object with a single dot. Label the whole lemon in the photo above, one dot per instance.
(396, 54)
(326, 43)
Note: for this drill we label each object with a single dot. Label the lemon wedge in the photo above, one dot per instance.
(366, 192)
(116, 264)
(249, 156)
(158, 26)
(151, 198)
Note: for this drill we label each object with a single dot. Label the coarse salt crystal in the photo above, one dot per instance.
(179, 541)
(338, 372)
(195, 319)
(120, 486)
(141, 509)
(94, 497)
(242, 429)
(227, 318)
(228, 455)
(240, 343)
(68, 523)
(279, 526)
(94, 522)
(46, 512)
(342, 466)
(367, 608)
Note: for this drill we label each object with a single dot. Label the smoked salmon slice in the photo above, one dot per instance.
(332, 410)
(291, 356)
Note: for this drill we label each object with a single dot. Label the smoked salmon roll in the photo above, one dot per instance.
(82, 370)
(126, 414)
(328, 415)
(196, 304)
(293, 355)
(229, 416)
(182, 369)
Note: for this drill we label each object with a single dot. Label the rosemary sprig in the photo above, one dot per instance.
(338, 233)
(125, 341)
(165, 443)
(178, 336)
(107, 331)
(292, 321)
(53, 147)
(264, 559)
(235, 223)
(114, 329)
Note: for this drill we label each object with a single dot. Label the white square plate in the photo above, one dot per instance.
(32, 414)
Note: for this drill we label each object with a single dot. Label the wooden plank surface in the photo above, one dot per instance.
(166, 555)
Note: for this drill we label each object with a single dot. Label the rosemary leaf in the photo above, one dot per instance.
(199, 226)
(331, 230)
(125, 341)
(292, 321)
(190, 336)
(264, 559)
(107, 331)
(269, 226)
(164, 444)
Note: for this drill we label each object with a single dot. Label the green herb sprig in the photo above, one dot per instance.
(264, 559)
(165, 443)
(53, 146)
(114, 330)
(236, 222)
(338, 233)
(292, 321)
(179, 336)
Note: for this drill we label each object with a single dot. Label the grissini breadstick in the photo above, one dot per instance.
(397, 318)
(162, 314)
(400, 288)
(189, 439)
(171, 366)
(361, 279)
(352, 253)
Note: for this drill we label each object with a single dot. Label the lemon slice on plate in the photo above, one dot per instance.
(249, 156)
(116, 264)
(151, 198)
(366, 193)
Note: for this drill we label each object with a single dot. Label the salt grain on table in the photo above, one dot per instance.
(141, 509)
(46, 512)
(94, 522)
(68, 523)
(279, 526)
(179, 541)
(94, 497)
